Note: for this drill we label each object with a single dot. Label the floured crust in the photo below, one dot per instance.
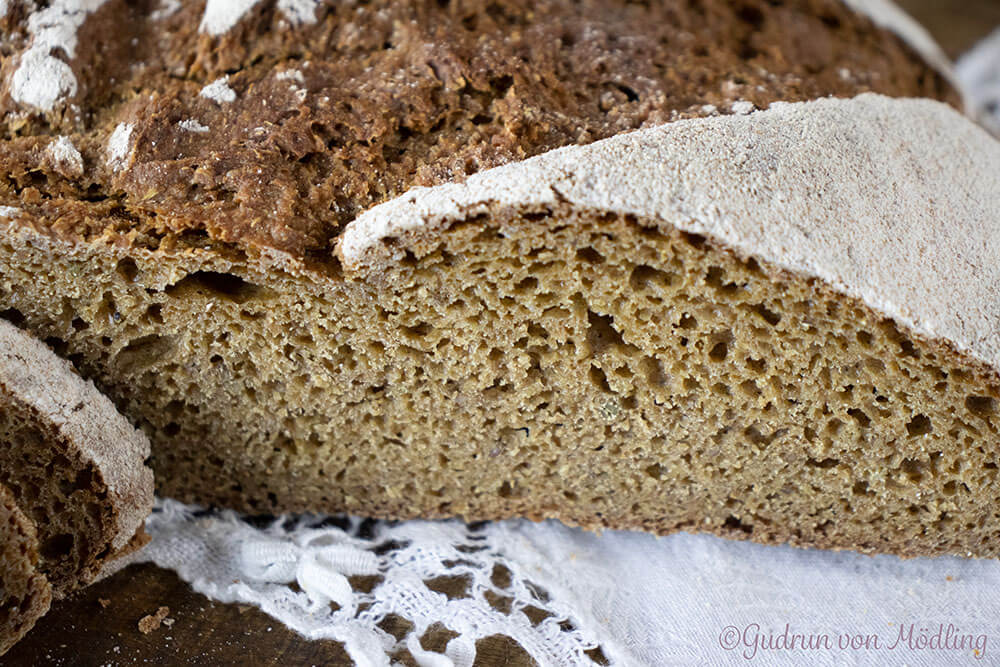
(36, 377)
(891, 201)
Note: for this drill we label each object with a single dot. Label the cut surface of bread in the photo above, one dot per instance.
(282, 244)
(24, 591)
(75, 466)
(667, 330)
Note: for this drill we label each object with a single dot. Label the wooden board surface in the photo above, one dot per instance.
(99, 626)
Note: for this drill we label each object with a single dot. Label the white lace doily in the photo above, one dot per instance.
(339, 577)
(569, 597)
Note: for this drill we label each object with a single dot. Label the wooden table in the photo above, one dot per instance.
(99, 626)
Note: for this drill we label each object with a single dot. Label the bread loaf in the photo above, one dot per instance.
(24, 591)
(75, 466)
(605, 262)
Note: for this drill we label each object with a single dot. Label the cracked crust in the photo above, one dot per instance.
(273, 134)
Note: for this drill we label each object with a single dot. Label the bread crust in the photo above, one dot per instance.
(79, 424)
(274, 134)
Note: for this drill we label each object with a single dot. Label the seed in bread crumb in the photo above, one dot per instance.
(152, 622)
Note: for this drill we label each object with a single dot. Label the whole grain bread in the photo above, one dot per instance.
(74, 465)
(24, 591)
(598, 261)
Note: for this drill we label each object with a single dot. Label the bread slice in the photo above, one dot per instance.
(75, 466)
(751, 324)
(24, 591)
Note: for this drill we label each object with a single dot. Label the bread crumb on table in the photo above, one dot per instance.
(152, 622)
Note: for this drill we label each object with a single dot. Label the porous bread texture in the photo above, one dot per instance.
(76, 466)
(798, 185)
(25, 594)
(553, 355)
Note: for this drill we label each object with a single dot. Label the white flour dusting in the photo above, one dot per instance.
(118, 145)
(41, 79)
(65, 156)
(290, 75)
(221, 15)
(299, 11)
(219, 91)
(191, 125)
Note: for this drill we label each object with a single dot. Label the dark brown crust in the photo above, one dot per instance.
(398, 94)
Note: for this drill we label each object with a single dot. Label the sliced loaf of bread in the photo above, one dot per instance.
(74, 465)
(623, 264)
(25, 593)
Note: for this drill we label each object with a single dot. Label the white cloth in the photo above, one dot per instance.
(678, 600)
